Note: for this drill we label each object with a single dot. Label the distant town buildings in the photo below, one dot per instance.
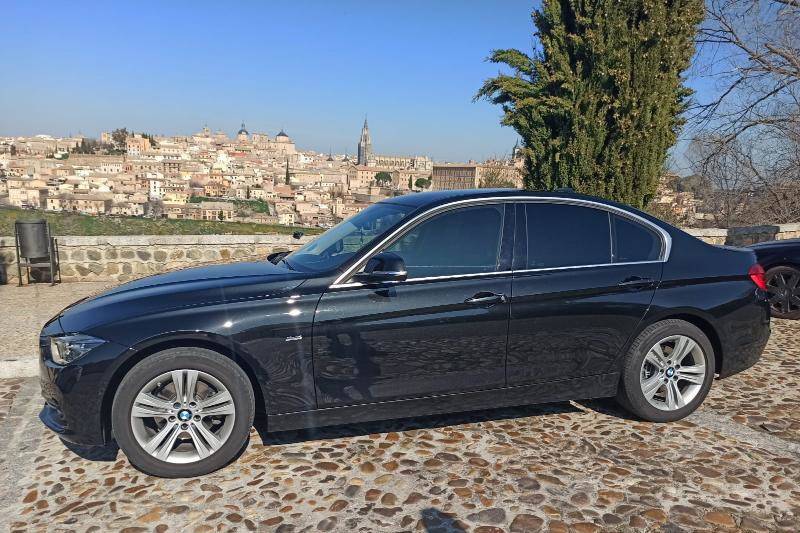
(253, 177)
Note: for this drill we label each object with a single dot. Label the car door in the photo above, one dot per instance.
(442, 330)
(584, 277)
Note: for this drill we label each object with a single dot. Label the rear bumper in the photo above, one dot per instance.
(742, 357)
(747, 336)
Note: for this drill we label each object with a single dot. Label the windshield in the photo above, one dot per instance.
(331, 249)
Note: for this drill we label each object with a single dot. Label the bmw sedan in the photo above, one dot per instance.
(421, 304)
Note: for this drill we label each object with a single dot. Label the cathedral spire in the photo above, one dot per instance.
(364, 145)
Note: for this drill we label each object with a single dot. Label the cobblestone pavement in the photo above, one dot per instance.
(23, 310)
(734, 465)
(9, 388)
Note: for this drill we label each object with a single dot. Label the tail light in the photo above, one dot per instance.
(758, 276)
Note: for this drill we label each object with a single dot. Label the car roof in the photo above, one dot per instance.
(426, 200)
(430, 199)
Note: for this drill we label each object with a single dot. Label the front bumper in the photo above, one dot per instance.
(74, 394)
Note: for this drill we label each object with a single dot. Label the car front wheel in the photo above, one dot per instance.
(183, 412)
(668, 371)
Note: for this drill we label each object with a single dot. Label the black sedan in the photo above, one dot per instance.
(421, 304)
(781, 259)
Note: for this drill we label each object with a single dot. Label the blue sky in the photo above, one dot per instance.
(312, 67)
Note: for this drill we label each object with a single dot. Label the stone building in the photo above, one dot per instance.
(137, 145)
(242, 135)
(366, 157)
(455, 176)
(81, 203)
(401, 162)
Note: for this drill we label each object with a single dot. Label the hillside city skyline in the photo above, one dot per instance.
(252, 176)
(231, 132)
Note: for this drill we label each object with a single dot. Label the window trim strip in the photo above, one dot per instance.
(499, 273)
(666, 239)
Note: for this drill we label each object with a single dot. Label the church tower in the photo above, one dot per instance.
(364, 145)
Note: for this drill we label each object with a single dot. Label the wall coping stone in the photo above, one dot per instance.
(767, 228)
(167, 240)
(707, 232)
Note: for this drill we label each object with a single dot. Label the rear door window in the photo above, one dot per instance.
(565, 235)
(634, 242)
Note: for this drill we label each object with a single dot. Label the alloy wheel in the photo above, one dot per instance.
(182, 416)
(673, 372)
(783, 290)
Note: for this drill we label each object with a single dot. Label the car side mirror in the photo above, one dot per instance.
(382, 268)
(275, 257)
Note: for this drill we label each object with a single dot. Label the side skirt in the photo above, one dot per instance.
(583, 388)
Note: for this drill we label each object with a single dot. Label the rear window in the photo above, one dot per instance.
(634, 242)
(563, 235)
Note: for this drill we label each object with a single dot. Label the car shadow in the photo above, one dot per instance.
(605, 406)
(608, 407)
(406, 424)
(107, 453)
(434, 520)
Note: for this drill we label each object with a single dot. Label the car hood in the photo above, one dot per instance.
(182, 288)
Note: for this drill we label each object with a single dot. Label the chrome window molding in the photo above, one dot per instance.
(578, 267)
(498, 273)
(427, 278)
(666, 240)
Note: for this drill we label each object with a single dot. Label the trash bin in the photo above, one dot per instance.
(38, 249)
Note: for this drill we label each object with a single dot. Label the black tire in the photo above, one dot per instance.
(779, 308)
(630, 395)
(210, 362)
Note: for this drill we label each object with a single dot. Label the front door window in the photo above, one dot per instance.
(462, 241)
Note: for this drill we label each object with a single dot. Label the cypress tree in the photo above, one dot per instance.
(599, 106)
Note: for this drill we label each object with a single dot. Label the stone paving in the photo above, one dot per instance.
(583, 467)
(9, 388)
(24, 309)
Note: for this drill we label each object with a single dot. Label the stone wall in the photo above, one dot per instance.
(122, 258)
(747, 235)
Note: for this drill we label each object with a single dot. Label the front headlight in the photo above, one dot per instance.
(67, 348)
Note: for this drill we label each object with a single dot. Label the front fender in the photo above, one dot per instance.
(270, 338)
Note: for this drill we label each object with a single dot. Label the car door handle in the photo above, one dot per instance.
(486, 298)
(634, 281)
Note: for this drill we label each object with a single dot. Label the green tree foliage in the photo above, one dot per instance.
(149, 137)
(423, 183)
(87, 146)
(493, 178)
(600, 105)
(119, 136)
(383, 179)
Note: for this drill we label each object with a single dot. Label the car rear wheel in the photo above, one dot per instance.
(668, 371)
(783, 289)
(183, 412)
